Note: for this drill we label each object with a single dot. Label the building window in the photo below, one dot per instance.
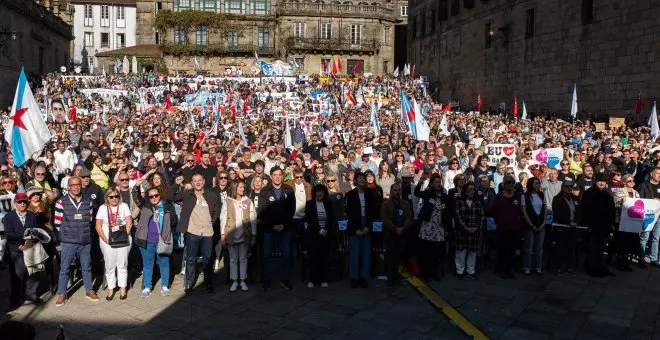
(455, 7)
(433, 20)
(404, 10)
(388, 34)
(89, 39)
(157, 37)
(299, 29)
(179, 35)
(356, 34)
(443, 12)
(386, 66)
(121, 40)
(488, 36)
(234, 6)
(90, 62)
(587, 11)
(180, 5)
(105, 16)
(423, 28)
(263, 39)
(232, 40)
(157, 7)
(89, 16)
(260, 6)
(530, 23)
(210, 5)
(201, 38)
(355, 66)
(121, 17)
(105, 40)
(326, 31)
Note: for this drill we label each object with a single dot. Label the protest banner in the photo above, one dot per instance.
(617, 122)
(638, 215)
(497, 152)
(552, 157)
(600, 127)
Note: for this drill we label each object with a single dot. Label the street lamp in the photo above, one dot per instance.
(5, 36)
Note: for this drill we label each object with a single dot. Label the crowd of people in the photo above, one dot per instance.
(142, 167)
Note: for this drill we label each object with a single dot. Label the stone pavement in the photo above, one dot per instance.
(547, 307)
(336, 312)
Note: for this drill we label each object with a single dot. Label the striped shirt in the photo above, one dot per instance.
(320, 213)
(59, 212)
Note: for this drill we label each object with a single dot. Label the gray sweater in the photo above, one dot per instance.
(550, 190)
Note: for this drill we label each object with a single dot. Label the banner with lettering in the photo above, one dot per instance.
(497, 152)
(638, 214)
(552, 157)
(6, 205)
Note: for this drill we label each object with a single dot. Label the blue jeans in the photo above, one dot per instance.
(643, 239)
(359, 257)
(149, 256)
(69, 253)
(282, 242)
(194, 245)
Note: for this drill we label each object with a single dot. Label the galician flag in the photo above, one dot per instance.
(27, 132)
(653, 122)
(524, 115)
(574, 107)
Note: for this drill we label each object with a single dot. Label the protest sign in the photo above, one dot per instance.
(600, 127)
(552, 157)
(638, 215)
(617, 122)
(497, 152)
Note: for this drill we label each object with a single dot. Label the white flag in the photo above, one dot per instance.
(423, 130)
(653, 122)
(524, 114)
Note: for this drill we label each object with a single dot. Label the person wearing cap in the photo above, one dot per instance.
(650, 189)
(168, 167)
(23, 284)
(40, 182)
(599, 216)
(566, 217)
(73, 217)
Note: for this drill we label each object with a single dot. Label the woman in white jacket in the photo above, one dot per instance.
(238, 227)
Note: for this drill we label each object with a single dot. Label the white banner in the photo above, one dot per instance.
(638, 214)
(552, 157)
(497, 152)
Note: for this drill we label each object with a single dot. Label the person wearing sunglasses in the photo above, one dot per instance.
(153, 235)
(40, 181)
(623, 244)
(111, 217)
(23, 285)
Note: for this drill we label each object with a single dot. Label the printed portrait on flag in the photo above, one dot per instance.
(59, 111)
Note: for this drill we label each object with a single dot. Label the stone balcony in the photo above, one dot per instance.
(335, 10)
(319, 45)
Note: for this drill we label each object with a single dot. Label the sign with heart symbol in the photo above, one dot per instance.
(552, 157)
(496, 152)
(639, 215)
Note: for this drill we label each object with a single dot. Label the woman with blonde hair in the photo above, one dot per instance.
(238, 227)
(113, 225)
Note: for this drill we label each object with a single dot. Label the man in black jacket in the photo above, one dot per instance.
(598, 215)
(276, 208)
(199, 211)
(650, 189)
(23, 285)
(361, 210)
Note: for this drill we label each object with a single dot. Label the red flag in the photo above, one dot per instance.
(74, 112)
(412, 73)
(245, 104)
(357, 67)
(479, 103)
(233, 111)
(638, 105)
(168, 102)
(515, 107)
(447, 108)
(334, 67)
(339, 64)
(324, 65)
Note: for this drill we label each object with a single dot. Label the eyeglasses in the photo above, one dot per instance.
(331, 180)
(190, 160)
(562, 164)
(297, 177)
(21, 202)
(7, 182)
(40, 174)
(123, 179)
(223, 177)
(630, 181)
(112, 197)
(154, 196)
(84, 177)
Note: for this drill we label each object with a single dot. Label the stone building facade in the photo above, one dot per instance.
(31, 36)
(536, 50)
(309, 33)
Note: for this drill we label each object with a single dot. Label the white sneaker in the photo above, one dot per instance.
(310, 285)
(244, 286)
(165, 291)
(233, 287)
(324, 285)
(145, 293)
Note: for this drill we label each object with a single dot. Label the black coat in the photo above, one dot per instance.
(561, 213)
(272, 211)
(311, 217)
(598, 211)
(354, 210)
(14, 229)
(427, 205)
